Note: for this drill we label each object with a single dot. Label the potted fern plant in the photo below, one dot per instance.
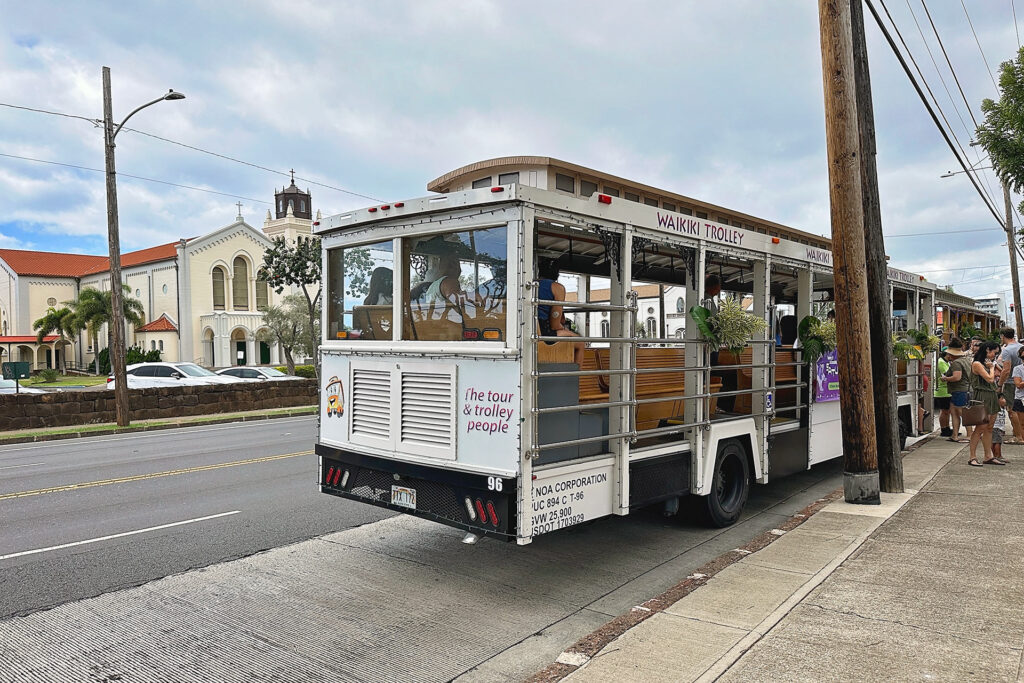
(817, 337)
(730, 327)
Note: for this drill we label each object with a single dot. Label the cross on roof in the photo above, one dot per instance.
(293, 176)
(239, 205)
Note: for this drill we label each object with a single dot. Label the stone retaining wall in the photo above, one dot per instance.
(67, 408)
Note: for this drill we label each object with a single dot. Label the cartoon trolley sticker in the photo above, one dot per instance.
(335, 397)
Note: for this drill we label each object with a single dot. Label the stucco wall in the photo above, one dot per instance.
(66, 408)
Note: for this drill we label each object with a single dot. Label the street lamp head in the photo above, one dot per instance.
(947, 174)
(172, 95)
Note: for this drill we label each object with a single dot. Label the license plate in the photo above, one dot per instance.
(403, 496)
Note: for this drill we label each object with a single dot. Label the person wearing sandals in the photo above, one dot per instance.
(983, 388)
(958, 382)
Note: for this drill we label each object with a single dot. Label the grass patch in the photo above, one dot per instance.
(66, 380)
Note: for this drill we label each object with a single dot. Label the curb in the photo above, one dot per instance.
(147, 428)
(579, 653)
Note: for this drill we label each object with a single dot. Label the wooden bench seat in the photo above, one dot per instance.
(784, 374)
(669, 383)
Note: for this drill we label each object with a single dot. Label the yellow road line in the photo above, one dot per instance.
(154, 475)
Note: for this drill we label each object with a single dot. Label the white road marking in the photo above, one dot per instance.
(158, 432)
(11, 467)
(121, 535)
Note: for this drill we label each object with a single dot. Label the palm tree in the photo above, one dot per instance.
(59, 321)
(93, 309)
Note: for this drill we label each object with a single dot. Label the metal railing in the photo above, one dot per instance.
(628, 391)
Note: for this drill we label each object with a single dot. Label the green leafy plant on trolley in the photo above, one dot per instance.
(923, 339)
(817, 337)
(730, 327)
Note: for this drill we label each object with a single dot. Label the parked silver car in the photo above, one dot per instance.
(165, 374)
(262, 374)
(7, 386)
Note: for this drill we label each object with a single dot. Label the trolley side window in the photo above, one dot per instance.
(360, 292)
(456, 286)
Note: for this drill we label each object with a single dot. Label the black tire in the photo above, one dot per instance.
(730, 486)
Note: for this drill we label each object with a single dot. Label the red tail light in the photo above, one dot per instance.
(492, 513)
(471, 334)
(604, 199)
(480, 511)
(497, 189)
(110, 379)
(337, 476)
(330, 473)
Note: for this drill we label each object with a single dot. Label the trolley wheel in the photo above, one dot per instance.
(730, 487)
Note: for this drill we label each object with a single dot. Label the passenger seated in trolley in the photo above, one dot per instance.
(440, 296)
(380, 287)
(550, 318)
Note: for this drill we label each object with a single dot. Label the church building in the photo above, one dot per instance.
(202, 296)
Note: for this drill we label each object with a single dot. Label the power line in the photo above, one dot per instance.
(955, 270)
(247, 163)
(1015, 29)
(988, 69)
(906, 69)
(945, 232)
(136, 177)
(99, 122)
(956, 79)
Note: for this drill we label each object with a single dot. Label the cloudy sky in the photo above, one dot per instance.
(717, 100)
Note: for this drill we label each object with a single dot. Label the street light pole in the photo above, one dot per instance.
(1011, 240)
(117, 331)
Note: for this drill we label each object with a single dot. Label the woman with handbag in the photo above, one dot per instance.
(986, 397)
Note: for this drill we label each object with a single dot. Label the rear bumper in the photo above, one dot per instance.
(440, 493)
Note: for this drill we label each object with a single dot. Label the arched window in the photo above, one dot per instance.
(152, 345)
(218, 289)
(679, 305)
(652, 327)
(262, 295)
(280, 206)
(161, 344)
(240, 285)
(606, 328)
(302, 205)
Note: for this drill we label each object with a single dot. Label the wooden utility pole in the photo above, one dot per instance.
(117, 345)
(1011, 243)
(860, 454)
(883, 367)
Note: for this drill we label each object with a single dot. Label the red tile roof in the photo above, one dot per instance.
(161, 252)
(161, 324)
(27, 340)
(55, 264)
(49, 263)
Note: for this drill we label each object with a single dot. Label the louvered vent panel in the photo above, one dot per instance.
(427, 409)
(371, 403)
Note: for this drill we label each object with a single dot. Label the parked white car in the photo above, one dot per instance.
(8, 386)
(142, 375)
(261, 374)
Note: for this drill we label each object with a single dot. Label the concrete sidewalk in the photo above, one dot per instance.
(924, 587)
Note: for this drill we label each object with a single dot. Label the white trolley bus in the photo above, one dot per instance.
(455, 408)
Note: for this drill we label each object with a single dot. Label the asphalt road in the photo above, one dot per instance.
(368, 598)
(75, 491)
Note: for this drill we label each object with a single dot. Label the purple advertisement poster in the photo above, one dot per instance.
(826, 371)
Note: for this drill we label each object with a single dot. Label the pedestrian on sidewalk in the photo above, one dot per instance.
(1009, 359)
(998, 431)
(983, 388)
(941, 395)
(958, 381)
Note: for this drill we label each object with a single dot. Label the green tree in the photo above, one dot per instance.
(1002, 132)
(288, 326)
(59, 321)
(297, 265)
(93, 309)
